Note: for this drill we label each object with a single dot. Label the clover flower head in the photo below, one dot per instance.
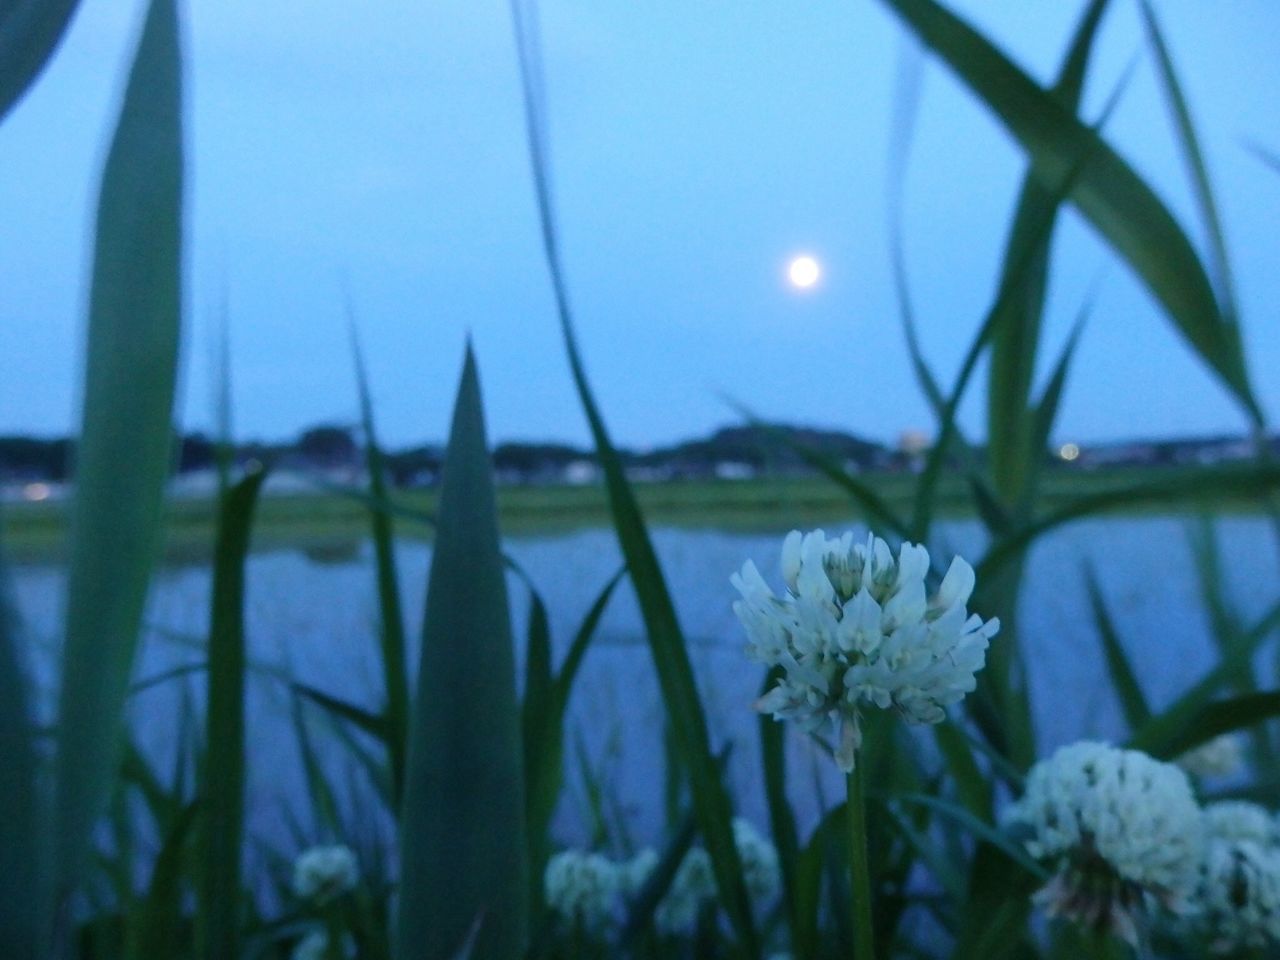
(322, 873)
(581, 887)
(633, 874)
(1123, 830)
(855, 627)
(693, 885)
(1220, 757)
(1240, 820)
(315, 946)
(1237, 901)
(759, 858)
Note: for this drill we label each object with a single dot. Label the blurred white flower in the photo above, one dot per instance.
(1241, 820)
(855, 627)
(693, 885)
(1237, 901)
(760, 869)
(1123, 830)
(1220, 757)
(315, 946)
(633, 874)
(581, 887)
(322, 873)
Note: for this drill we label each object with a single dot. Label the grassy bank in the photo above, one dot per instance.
(36, 532)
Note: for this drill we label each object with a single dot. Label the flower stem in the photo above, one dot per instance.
(856, 811)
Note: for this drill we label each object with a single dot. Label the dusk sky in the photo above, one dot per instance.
(376, 151)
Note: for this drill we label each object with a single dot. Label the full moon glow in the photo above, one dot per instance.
(803, 272)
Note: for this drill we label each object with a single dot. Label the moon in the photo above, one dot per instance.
(803, 271)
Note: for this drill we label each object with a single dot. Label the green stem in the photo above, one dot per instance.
(856, 810)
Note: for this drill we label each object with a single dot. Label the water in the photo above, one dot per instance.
(314, 618)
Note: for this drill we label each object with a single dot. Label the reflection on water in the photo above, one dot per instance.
(312, 615)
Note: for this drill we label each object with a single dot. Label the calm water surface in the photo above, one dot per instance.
(315, 619)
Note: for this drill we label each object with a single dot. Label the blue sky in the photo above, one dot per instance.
(377, 151)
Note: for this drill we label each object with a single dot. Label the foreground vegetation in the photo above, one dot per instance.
(958, 843)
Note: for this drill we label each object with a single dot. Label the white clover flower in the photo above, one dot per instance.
(1240, 820)
(315, 946)
(322, 873)
(633, 874)
(1122, 829)
(693, 885)
(1237, 901)
(1220, 757)
(855, 627)
(581, 887)
(760, 869)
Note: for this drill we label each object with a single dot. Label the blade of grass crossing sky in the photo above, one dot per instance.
(462, 830)
(23, 878)
(222, 790)
(1197, 169)
(391, 614)
(30, 31)
(1012, 281)
(1015, 341)
(125, 446)
(711, 799)
(1119, 204)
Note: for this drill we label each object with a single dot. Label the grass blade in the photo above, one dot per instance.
(30, 31)
(782, 819)
(1133, 702)
(1213, 720)
(371, 723)
(222, 790)
(711, 800)
(1015, 341)
(126, 434)
(22, 879)
(156, 933)
(462, 843)
(1198, 170)
(1178, 487)
(392, 635)
(1116, 201)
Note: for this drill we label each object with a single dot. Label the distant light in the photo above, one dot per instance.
(803, 272)
(36, 491)
(1068, 451)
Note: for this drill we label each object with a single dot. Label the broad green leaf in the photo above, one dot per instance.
(1015, 343)
(391, 616)
(1112, 197)
(685, 715)
(222, 782)
(30, 31)
(125, 443)
(22, 858)
(462, 837)
(1133, 702)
